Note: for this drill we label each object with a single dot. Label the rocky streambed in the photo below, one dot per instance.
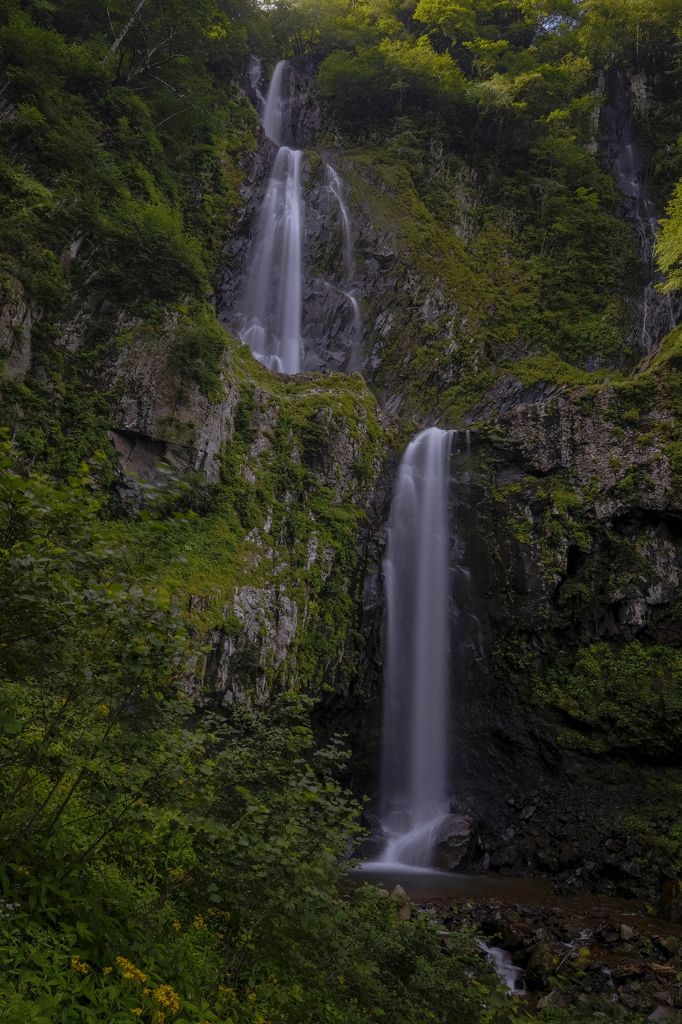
(581, 949)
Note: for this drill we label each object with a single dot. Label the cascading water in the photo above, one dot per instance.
(335, 185)
(274, 105)
(628, 164)
(415, 731)
(271, 325)
(266, 310)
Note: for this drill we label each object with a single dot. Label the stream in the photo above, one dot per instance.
(551, 948)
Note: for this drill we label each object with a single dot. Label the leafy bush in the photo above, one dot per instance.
(163, 864)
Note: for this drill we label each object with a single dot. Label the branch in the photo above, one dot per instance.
(123, 33)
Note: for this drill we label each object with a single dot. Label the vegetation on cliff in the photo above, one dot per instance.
(173, 859)
(159, 866)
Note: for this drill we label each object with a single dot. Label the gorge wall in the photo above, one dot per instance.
(568, 499)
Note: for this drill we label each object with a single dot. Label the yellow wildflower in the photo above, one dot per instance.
(199, 922)
(165, 995)
(159, 1017)
(78, 965)
(138, 1011)
(176, 925)
(260, 1019)
(106, 970)
(130, 971)
(23, 870)
(251, 996)
(228, 994)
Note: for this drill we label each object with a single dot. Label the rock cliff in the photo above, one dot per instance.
(567, 495)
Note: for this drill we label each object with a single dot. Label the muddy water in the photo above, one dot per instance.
(444, 890)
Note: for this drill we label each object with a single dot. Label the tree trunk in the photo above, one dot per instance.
(123, 33)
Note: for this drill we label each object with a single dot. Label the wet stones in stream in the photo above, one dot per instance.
(584, 956)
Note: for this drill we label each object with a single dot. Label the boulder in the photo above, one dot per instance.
(452, 842)
(371, 848)
(553, 998)
(543, 962)
(373, 845)
(505, 857)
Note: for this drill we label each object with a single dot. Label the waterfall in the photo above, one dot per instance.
(268, 316)
(628, 165)
(415, 729)
(335, 185)
(271, 325)
(254, 74)
(274, 105)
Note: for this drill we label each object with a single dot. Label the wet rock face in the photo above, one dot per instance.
(268, 621)
(452, 843)
(625, 159)
(16, 319)
(152, 422)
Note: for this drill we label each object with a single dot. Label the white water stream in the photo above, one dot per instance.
(335, 185)
(271, 318)
(415, 730)
(272, 322)
(509, 974)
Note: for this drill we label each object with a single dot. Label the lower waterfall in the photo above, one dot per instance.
(415, 791)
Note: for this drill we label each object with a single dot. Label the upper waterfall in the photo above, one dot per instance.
(290, 318)
(415, 788)
(271, 324)
(272, 329)
(274, 104)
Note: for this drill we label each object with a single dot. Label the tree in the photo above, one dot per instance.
(669, 245)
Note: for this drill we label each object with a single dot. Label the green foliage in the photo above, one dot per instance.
(162, 865)
(118, 182)
(631, 697)
(669, 245)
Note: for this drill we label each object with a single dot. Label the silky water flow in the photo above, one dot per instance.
(335, 185)
(272, 322)
(272, 311)
(415, 791)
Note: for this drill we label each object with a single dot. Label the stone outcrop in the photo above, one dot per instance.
(16, 320)
(159, 417)
(452, 843)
